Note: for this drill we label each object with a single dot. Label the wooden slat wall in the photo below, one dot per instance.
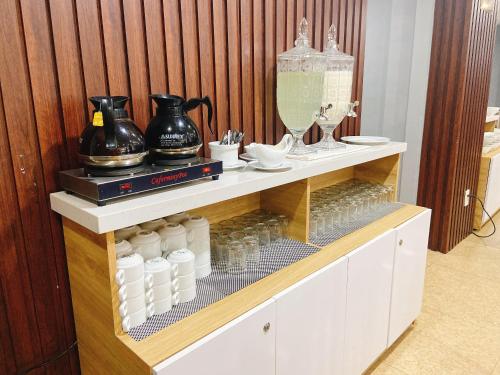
(57, 53)
(460, 69)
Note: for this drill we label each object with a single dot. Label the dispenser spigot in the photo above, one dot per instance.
(350, 111)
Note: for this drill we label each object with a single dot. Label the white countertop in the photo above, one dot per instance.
(149, 206)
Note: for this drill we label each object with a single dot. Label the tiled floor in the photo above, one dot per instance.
(458, 331)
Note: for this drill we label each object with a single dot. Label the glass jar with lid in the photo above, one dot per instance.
(299, 88)
(337, 89)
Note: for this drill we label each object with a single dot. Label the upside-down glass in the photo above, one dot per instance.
(236, 258)
(299, 90)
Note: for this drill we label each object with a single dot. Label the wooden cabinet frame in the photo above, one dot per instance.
(92, 266)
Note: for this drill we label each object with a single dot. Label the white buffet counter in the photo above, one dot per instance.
(149, 206)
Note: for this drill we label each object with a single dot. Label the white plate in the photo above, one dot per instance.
(366, 140)
(246, 156)
(232, 167)
(283, 167)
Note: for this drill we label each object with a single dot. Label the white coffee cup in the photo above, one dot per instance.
(161, 270)
(153, 225)
(149, 295)
(187, 282)
(202, 258)
(136, 319)
(147, 243)
(186, 295)
(173, 237)
(203, 271)
(123, 248)
(184, 259)
(228, 154)
(127, 232)
(178, 217)
(162, 291)
(129, 268)
(132, 305)
(132, 289)
(164, 305)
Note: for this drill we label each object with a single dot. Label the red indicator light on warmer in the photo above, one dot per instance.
(206, 170)
(126, 186)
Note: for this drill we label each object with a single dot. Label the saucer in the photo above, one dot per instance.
(232, 167)
(366, 140)
(280, 168)
(246, 156)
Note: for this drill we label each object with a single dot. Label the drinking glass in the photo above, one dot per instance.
(253, 251)
(264, 235)
(275, 232)
(283, 219)
(313, 225)
(236, 258)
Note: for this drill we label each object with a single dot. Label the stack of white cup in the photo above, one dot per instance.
(153, 225)
(165, 284)
(177, 218)
(198, 241)
(184, 260)
(126, 233)
(146, 243)
(123, 248)
(131, 281)
(173, 237)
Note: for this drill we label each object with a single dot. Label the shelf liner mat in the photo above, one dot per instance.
(339, 232)
(220, 284)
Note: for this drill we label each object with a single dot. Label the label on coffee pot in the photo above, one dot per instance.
(97, 120)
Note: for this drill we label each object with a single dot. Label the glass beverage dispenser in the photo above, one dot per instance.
(337, 88)
(300, 88)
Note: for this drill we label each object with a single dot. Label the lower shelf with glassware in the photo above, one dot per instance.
(261, 246)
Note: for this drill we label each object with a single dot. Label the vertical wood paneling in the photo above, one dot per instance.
(457, 97)
(259, 70)
(57, 53)
(173, 40)
(247, 89)
(155, 41)
(221, 66)
(270, 69)
(137, 61)
(207, 69)
(92, 49)
(115, 48)
(234, 57)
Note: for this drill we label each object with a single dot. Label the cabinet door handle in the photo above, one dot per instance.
(266, 327)
(400, 242)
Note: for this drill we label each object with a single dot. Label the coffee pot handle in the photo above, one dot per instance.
(195, 102)
(109, 125)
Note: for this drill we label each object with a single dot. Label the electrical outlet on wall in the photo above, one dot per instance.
(466, 197)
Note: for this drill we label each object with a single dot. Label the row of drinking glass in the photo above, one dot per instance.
(345, 202)
(236, 242)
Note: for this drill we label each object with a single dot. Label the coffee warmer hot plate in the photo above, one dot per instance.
(102, 189)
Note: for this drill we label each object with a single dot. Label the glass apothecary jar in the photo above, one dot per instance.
(337, 90)
(300, 88)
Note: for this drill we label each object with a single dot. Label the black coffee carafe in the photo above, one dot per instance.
(114, 142)
(171, 136)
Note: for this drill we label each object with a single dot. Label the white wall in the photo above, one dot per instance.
(397, 54)
(494, 100)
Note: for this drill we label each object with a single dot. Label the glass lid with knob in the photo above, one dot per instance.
(337, 90)
(300, 88)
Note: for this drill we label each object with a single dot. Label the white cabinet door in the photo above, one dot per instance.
(245, 346)
(492, 199)
(310, 318)
(409, 272)
(369, 279)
